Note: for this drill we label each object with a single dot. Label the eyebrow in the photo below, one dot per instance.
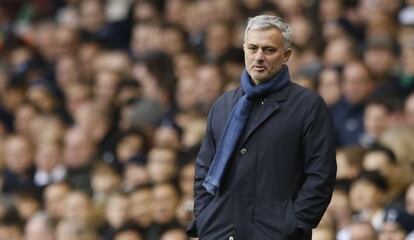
(265, 46)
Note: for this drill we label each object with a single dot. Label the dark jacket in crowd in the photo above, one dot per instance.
(280, 178)
(349, 122)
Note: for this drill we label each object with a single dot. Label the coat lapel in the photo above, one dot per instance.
(270, 107)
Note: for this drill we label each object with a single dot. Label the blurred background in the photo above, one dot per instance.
(103, 106)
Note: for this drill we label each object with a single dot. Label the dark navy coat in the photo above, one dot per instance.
(280, 178)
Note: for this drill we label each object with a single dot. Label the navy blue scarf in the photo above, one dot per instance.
(237, 121)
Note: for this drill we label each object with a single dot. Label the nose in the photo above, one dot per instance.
(259, 56)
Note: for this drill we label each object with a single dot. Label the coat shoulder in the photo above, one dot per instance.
(229, 98)
(305, 95)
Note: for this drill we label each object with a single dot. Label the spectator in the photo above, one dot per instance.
(116, 214)
(49, 166)
(19, 171)
(141, 211)
(78, 155)
(162, 165)
(348, 112)
(39, 227)
(377, 118)
(349, 162)
(367, 195)
(383, 160)
(54, 200)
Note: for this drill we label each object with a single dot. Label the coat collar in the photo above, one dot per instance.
(270, 107)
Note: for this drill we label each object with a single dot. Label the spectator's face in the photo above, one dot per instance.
(166, 137)
(77, 207)
(105, 183)
(165, 203)
(338, 52)
(141, 207)
(391, 231)
(329, 10)
(92, 17)
(106, 86)
(54, 196)
(37, 229)
(117, 210)
(173, 41)
(27, 206)
(185, 65)
(376, 120)
(145, 38)
(357, 83)
(186, 97)
(161, 165)
(78, 150)
(24, 115)
(264, 53)
(48, 156)
(345, 169)
(210, 84)
(379, 61)
(67, 71)
(365, 196)
(45, 40)
(218, 39)
(76, 96)
(66, 41)
(42, 99)
(303, 31)
(18, 155)
(329, 86)
(378, 161)
(128, 147)
(145, 11)
(135, 175)
(409, 199)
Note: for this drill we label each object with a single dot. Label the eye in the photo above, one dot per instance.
(252, 48)
(269, 50)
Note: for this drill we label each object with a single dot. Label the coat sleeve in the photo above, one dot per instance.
(202, 164)
(319, 166)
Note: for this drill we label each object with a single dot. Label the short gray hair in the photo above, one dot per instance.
(268, 21)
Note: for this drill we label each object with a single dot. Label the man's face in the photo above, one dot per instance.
(264, 53)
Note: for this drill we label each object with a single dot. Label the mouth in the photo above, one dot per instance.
(259, 68)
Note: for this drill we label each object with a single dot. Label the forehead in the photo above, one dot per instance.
(267, 36)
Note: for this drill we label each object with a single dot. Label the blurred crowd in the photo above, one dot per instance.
(103, 106)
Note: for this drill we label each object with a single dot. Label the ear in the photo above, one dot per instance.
(287, 54)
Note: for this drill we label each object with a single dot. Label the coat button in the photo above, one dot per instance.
(243, 151)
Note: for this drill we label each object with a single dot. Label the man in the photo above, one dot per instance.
(266, 168)
(348, 112)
